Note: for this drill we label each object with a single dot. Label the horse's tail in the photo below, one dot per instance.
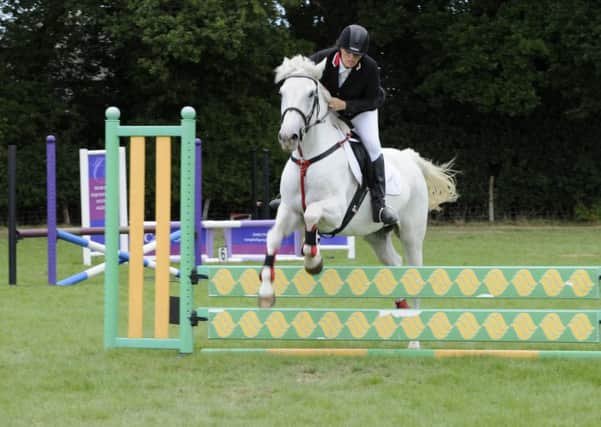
(440, 180)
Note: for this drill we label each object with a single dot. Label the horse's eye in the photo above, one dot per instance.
(312, 94)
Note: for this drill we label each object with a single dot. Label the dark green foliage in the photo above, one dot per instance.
(509, 88)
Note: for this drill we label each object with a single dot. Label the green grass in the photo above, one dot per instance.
(55, 372)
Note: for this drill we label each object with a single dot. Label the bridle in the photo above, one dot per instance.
(302, 162)
(314, 108)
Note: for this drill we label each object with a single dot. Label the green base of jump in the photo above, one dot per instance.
(167, 343)
(415, 353)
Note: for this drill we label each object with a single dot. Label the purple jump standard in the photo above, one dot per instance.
(51, 206)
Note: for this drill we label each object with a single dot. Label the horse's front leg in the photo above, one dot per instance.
(286, 221)
(327, 210)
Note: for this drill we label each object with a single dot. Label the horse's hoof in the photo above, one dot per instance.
(266, 301)
(414, 345)
(315, 270)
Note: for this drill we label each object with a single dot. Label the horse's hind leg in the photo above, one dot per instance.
(381, 243)
(412, 238)
(413, 243)
(286, 222)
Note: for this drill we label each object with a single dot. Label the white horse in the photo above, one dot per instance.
(317, 184)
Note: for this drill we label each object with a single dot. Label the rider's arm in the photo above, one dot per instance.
(371, 97)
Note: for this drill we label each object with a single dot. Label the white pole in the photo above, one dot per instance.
(84, 192)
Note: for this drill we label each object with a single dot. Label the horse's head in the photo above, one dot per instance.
(304, 99)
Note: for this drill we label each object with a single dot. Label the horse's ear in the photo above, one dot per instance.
(280, 71)
(320, 67)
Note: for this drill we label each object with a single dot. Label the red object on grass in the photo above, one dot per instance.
(402, 303)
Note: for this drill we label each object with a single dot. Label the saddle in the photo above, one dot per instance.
(361, 155)
(365, 166)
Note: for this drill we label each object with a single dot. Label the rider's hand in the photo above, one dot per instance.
(337, 104)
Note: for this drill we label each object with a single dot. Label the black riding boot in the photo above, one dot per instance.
(377, 186)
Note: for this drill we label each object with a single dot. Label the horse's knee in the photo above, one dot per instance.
(312, 215)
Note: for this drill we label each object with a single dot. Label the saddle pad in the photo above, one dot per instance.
(393, 184)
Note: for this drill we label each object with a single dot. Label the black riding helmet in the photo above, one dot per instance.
(355, 39)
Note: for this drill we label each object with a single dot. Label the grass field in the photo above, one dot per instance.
(55, 372)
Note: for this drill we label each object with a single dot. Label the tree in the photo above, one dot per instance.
(53, 68)
(216, 56)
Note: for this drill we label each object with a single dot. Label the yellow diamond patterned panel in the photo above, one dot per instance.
(495, 282)
(495, 326)
(413, 326)
(250, 281)
(468, 282)
(358, 281)
(581, 283)
(357, 324)
(523, 326)
(440, 281)
(250, 324)
(280, 283)
(412, 281)
(277, 325)
(331, 282)
(552, 282)
(304, 325)
(552, 326)
(581, 327)
(467, 325)
(523, 282)
(439, 325)
(303, 282)
(385, 281)
(330, 324)
(223, 324)
(385, 326)
(224, 282)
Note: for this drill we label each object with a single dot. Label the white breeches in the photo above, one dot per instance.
(366, 125)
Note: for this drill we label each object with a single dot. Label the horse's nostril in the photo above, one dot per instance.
(294, 137)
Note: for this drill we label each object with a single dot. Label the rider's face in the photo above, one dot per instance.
(349, 59)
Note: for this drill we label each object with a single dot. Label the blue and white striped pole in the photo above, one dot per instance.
(95, 246)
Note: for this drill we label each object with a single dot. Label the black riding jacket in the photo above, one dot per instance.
(361, 90)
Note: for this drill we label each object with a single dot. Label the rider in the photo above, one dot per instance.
(353, 79)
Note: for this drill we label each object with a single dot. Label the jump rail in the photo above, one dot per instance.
(521, 325)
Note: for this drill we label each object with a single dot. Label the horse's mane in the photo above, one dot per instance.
(298, 65)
